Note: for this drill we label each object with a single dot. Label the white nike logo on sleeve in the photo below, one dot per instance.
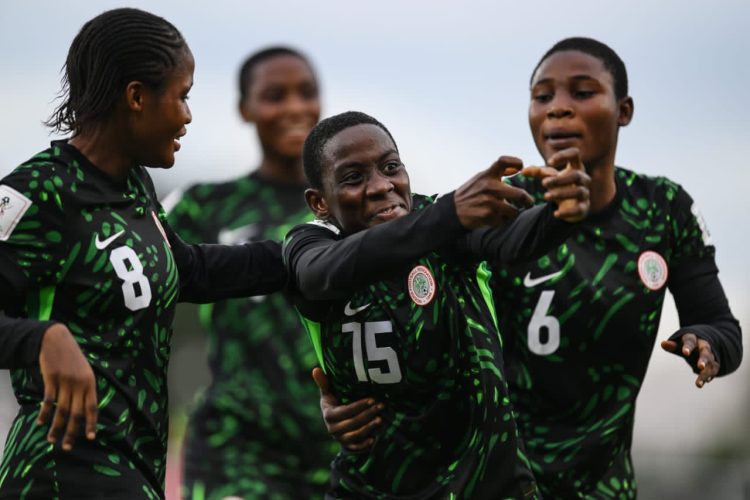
(101, 245)
(530, 282)
(348, 311)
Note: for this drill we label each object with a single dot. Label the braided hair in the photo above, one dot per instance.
(111, 50)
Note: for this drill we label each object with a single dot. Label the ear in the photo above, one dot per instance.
(244, 107)
(134, 95)
(626, 108)
(317, 203)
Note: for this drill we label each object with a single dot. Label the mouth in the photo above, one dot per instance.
(390, 212)
(298, 129)
(176, 141)
(559, 138)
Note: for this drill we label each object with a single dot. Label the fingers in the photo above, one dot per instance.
(689, 341)
(76, 417)
(320, 380)
(92, 411)
(353, 425)
(505, 166)
(48, 403)
(707, 364)
(539, 172)
(567, 158)
(669, 345)
(62, 412)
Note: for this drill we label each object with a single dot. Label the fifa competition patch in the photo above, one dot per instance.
(12, 207)
(652, 268)
(421, 285)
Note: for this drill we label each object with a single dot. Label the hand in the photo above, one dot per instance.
(69, 387)
(698, 352)
(485, 200)
(567, 184)
(351, 425)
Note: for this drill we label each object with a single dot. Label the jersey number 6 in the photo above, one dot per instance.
(374, 353)
(540, 320)
(135, 298)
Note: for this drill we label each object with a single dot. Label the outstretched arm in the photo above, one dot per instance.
(710, 338)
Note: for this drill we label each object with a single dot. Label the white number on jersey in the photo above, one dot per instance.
(374, 353)
(129, 269)
(540, 320)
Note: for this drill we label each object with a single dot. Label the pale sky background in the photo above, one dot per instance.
(450, 80)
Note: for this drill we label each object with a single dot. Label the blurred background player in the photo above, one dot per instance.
(580, 323)
(243, 436)
(90, 271)
(392, 292)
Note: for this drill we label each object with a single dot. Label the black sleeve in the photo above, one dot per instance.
(20, 338)
(535, 232)
(324, 267)
(216, 272)
(704, 310)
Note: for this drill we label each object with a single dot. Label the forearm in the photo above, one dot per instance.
(20, 338)
(532, 234)
(209, 273)
(704, 311)
(327, 269)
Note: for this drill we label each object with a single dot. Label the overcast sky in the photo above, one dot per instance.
(450, 80)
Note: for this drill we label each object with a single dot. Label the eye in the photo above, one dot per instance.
(351, 178)
(309, 92)
(274, 94)
(392, 167)
(583, 93)
(541, 97)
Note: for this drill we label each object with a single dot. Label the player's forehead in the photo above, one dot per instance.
(572, 65)
(360, 143)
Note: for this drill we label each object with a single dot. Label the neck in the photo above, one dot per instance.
(105, 150)
(603, 187)
(284, 170)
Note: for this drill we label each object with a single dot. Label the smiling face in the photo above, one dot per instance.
(163, 115)
(364, 181)
(573, 104)
(283, 103)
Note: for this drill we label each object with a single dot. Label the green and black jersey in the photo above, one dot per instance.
(581, 323)
(415, 328)
(96, 254)
(256, 431)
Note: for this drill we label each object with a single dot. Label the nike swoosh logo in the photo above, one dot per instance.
(348, 311)
(530, 282)
(101, 245)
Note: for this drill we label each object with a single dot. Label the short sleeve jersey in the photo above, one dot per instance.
(581, 323)
(424, 341)
(91, 253)
(259, 356)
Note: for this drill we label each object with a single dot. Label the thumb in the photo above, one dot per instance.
(321, 380)
(504, 166)
(669, 345)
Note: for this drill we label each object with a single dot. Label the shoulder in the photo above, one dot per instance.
(648, 187)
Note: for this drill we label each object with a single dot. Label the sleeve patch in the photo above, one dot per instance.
(12, 207)
(701, 224)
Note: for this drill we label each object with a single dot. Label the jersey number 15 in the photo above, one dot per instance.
(374, 353)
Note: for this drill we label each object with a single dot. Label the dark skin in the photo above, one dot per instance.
(365, 183)
(575, 117)
(143, 129)
(283, 102)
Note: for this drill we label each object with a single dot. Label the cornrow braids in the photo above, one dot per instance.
(252, 61)
(599, 50)
(319, 136)
(114, 48)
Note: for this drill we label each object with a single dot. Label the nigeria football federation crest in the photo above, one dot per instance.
(421, 285)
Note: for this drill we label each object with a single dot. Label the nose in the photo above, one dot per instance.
(188, 115)
(379, 184)
(559, 107)
(297, 104)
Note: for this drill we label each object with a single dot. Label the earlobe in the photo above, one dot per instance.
(317, 203)
(626, 111)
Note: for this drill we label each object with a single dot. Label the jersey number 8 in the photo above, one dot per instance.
(374, 353)
(131, 275)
